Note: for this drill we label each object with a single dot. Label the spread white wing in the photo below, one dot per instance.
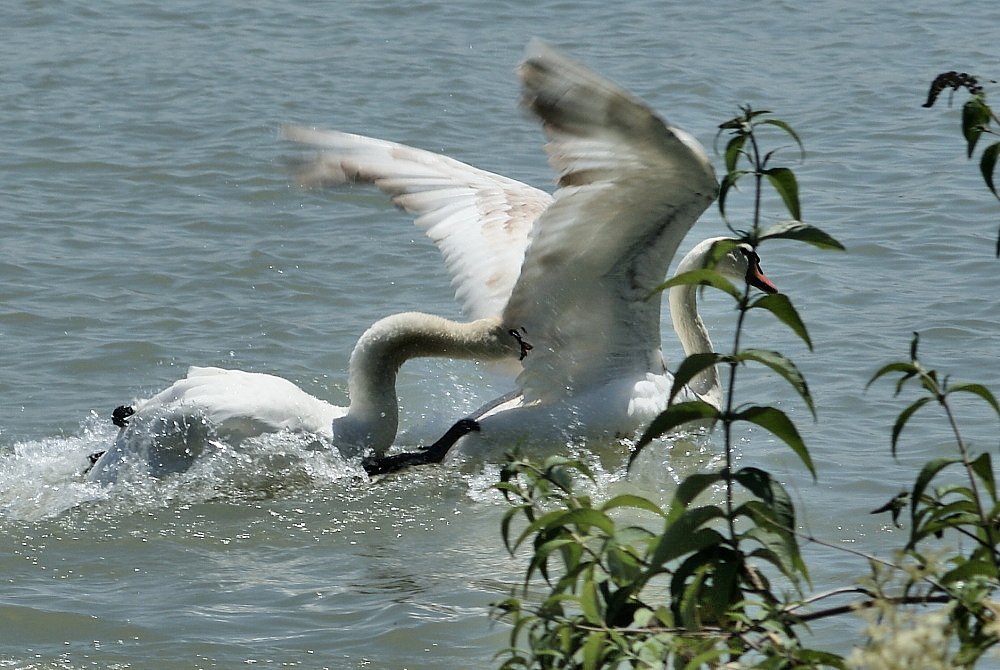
(630, 188)
(479, 220)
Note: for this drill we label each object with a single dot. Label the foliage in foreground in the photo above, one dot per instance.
(976, 118)
(717, 578)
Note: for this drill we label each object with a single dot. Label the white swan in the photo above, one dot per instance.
(572, 271)
(166, 432)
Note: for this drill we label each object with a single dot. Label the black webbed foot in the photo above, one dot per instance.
(435, 453)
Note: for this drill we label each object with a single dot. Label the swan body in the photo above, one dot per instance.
(167, 431)
(572, 271)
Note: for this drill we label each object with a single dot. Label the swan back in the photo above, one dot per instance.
(242, 403)
(167, 431)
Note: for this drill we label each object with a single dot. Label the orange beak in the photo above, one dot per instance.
(756, 276)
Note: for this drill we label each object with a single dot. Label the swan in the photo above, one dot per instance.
(166, 432)
(572, 271)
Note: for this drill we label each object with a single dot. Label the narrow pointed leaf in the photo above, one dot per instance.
(687, 535)
(975, 114)
(780, 549)
(780, 305)
(783, 181)
(589, 603)
(927, 473)
(904, 416)
(674, 417)
(586, 518)
(908, 370)
(778, 423)
(784, 367)
(634, 501)
(983, 467)
(733, 151)
(987, 165)
(788, 129)
(692, 487)
(979, 390)
(689, 369)
(768, 489)
(593, 649)
(774, 516)
(728, 182)
(701, 278)
(796, 230)
(970, 570)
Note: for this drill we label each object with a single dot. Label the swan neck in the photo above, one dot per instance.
(373, 416)
(690, 328)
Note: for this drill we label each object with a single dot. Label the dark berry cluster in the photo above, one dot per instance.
(953, 80)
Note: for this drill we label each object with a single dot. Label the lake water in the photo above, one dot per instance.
(148, 224)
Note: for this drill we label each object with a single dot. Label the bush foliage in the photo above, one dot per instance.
(717, 578)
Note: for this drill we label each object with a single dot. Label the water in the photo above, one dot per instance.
(148, 225)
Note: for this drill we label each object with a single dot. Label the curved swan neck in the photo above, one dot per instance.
(373, 416)
(690, 328)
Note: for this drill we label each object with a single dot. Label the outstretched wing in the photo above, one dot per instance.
(480, 221)
(630, 188)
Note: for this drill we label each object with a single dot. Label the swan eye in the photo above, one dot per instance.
(753, 260)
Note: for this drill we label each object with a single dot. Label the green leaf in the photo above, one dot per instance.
(709, 659)
(675, 416)
(768, 489)
(780, 550)
(589, 603)
(634, 501)
(690, 488)
(689, 369)
(983, 467)
(719, 249)
(784, 367)
(927, 473)
(733, 150)
(728, 182)
(783, 181)
(622, 565)
(685, 536)
(903, 417)
(803, 232)
(780, 305)
(586, 518)
(968, 570)
(979, 390)
(540, 557)
(543, 522)
(778, 423)
(987, 164)
(703, 277)
(895, 505)
(774, 515)
(975, 115)
(909, 370)
(593, 648)
(788, 129)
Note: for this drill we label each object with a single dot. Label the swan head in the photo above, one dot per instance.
(740, 262)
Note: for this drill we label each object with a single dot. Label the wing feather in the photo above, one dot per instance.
(480, 221)
(630, 188)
